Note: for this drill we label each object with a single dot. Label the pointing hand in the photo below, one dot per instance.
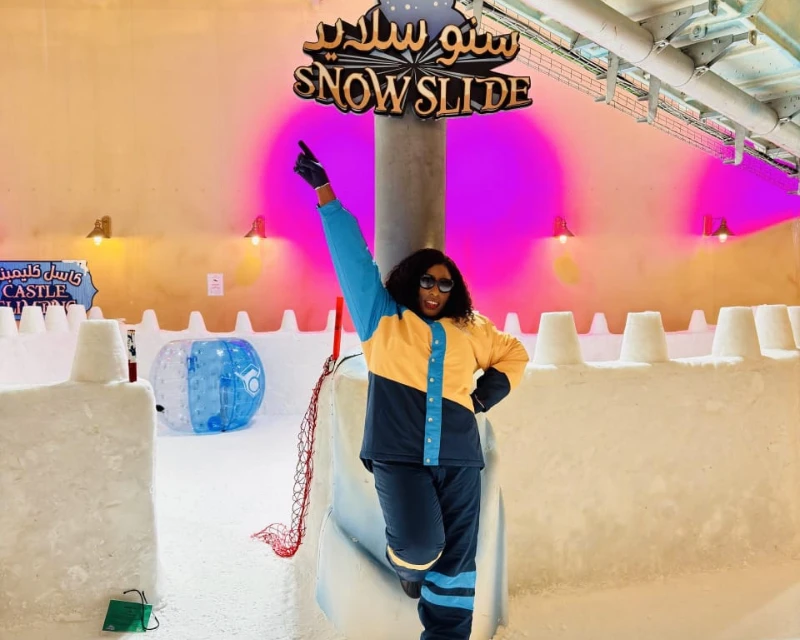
(309, 168)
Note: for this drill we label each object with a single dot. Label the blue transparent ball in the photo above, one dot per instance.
(208, 386)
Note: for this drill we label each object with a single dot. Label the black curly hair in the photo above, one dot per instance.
(403, 284)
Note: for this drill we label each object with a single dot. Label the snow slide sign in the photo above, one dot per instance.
(420, 55)
(64, 282)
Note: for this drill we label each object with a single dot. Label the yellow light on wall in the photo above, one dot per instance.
(561, 230)
(101, 231)
(257, 232)
(722, 232)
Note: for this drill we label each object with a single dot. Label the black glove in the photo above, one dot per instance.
(309, 168)
(477, 405)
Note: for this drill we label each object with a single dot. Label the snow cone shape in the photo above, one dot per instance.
(196, 323)
(76, 314)
(243, 324)
(774, 328)
(794, 319)
(208, 386)
(330, 325)
(100, 355)
(735, 335)
(644, 339)
(289, 321)
(599, 324)
(512, 324)
(8, 325)
(149, 321)
(32, 320)
(557, 341)
(698, 322)
(55, 319)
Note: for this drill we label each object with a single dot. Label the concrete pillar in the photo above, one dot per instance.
(410, 167)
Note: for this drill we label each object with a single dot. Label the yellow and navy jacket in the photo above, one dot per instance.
(420, 400)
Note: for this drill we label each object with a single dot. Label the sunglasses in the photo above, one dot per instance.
(427, 281)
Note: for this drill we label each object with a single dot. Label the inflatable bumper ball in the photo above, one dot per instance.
(207, 386)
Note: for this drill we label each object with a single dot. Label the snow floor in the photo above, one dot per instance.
(215, 491)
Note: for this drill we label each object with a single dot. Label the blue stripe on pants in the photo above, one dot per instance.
(454, 602)
(432, 510)
(462, 581)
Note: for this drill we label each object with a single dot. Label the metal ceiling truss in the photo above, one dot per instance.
(619, 74)
(787, 107)
(666, 27)
(708, 52)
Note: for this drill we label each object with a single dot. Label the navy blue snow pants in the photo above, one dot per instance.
(431, 516)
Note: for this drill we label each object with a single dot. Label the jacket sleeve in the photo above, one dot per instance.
(503, 363)
(358, 275)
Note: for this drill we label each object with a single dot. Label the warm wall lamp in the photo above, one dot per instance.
(560, 230)
(101, 231)
(722, 232)
(257, 233)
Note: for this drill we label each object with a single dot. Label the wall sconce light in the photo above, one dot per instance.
(257, 232)
(101, 231)
(722, 232)
(561, 231)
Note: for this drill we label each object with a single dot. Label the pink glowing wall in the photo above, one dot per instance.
(633, 196)
(502, 192)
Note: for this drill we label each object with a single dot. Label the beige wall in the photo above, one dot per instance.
(157, 113)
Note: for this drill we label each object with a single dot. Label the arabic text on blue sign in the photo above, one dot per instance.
(64, 282)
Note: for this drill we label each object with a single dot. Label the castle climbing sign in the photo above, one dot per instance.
(423, 56)
(29, 282)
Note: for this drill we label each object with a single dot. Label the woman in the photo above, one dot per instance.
(423, 344)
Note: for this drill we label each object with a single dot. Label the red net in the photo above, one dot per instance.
(285, 541)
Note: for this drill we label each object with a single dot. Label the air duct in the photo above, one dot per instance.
(620, 35)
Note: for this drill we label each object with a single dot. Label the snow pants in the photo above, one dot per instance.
(431, 516)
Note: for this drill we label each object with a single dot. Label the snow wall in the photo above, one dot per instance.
(601, 473)
(76, 489)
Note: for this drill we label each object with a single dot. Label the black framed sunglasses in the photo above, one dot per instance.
(427, 281)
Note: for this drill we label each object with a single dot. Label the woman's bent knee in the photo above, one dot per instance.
(416, 558)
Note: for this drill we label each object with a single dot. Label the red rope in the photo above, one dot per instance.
(285, 541)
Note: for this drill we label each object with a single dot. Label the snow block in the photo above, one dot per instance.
(289, 321)
(78, 515)
(76, 313)
(196, 323)
(512, 325)
(599, 324)
(149, 321)
(32, 320)
(774, 328)
(557, 340)
(735, 335)
(698, 321)
(794, 319)
(330, 324)
(55, 319)
(644, 339)
(8, 324)
(243, 324)
(100, 355)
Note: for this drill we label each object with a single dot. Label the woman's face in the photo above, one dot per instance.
(431, 297)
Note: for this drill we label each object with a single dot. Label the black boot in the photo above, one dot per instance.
(412, 589)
